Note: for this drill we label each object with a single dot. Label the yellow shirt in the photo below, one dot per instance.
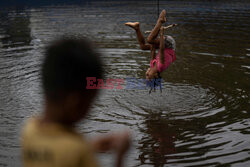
(52, 145)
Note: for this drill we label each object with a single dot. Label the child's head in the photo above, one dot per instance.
(169, 42)
(151, 73)
(67, 64)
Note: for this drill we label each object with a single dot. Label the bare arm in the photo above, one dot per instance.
(102, 144)
(117, 142)
(152, 48)
(162, 46)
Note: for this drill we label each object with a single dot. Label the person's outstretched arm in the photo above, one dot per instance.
(114, 142)
(162, 46)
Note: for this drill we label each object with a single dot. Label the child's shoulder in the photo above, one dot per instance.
(52, 133)
(53, 141)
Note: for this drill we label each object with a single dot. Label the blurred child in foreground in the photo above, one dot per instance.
(50, 139)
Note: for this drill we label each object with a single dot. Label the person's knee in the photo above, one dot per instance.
(150, 40)
(143, 47)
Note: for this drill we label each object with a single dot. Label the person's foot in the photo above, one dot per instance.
(134, 25)
(162, 17)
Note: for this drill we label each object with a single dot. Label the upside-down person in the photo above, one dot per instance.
(165, 44)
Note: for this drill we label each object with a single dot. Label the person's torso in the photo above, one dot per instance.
(54, 145)
(169, 58)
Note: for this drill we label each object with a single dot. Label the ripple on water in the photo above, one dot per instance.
(189, 123)
(202, 116)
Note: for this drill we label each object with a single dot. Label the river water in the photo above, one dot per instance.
(202, 117)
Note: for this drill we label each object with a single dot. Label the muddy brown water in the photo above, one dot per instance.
(202, 117)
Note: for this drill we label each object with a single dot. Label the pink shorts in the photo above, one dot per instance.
(169, 58)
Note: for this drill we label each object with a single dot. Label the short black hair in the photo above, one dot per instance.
(68, 61)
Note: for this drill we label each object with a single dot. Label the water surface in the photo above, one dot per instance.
(200, 119)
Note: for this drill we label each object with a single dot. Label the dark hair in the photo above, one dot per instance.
(156, 84)
(67, 63)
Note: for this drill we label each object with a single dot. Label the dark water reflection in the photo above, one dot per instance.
(201, 118)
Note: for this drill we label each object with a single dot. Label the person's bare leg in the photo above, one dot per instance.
(152, 38)
(140, 37)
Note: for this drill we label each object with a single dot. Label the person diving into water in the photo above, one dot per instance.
(165, 44)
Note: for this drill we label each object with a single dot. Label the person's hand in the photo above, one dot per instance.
(117, 142)
(121, 142)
